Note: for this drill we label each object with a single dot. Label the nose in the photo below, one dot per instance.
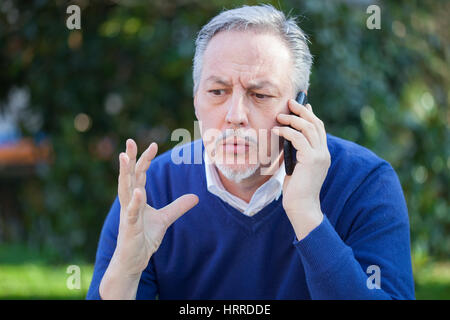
(237, 111)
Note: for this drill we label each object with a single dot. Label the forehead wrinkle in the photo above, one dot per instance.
(254, 76)
(251, 84)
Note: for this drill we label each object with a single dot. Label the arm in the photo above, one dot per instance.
(377, 234)
(377, 214)
(134, 230)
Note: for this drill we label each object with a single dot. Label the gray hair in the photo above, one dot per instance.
(262, 18)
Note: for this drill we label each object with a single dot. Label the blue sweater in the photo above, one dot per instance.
(216, 252)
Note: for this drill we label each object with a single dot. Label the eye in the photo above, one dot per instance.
(217, 92)
(261, 96)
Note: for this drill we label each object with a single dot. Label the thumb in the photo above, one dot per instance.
(178, 207)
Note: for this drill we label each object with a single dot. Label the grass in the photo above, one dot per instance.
(433, 281)
(26, 274)
(34, 281)
(29, 273)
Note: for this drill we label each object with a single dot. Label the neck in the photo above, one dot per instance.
(247, 187)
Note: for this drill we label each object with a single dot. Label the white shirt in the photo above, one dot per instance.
(265, 194)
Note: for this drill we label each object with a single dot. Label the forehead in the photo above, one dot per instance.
(248, 55)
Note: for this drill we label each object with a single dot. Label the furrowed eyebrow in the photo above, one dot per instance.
(261, 85)
(251, 86)
(216, 79)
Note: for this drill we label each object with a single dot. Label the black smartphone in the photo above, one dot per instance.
(289, 150)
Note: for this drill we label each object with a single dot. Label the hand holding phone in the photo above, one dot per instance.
(301, 194)
(290, 158)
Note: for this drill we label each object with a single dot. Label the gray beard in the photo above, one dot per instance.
(237, 175)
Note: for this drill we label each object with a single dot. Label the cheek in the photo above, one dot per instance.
(210, 115)
(263, 120)
(268, 143)
(210, 120)
(210, 128)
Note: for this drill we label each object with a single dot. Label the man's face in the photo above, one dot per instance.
(245, 83)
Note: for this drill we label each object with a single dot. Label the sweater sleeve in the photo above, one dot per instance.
(375, 227)
(147, 288)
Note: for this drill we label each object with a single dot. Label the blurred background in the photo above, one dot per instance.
(69, 99)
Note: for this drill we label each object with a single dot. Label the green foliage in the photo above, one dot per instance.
(129, 71)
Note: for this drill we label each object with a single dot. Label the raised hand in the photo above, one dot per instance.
(141, 227)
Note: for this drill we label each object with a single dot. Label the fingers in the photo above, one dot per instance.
(306, 113)
(144, 163)
(131, 150)
(133, 175)
(318, 123)
(298, 140)
(306, 127)
(135, 205)
(178, 207)
(124, 185)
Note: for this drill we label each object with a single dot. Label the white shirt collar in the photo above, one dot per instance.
(265, 194)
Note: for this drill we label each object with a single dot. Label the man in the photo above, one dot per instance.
(337, 228)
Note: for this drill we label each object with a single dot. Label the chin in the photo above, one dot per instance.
(237, 172)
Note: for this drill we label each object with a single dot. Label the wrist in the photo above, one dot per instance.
(304, 222)
(117, 283)
(125, 266)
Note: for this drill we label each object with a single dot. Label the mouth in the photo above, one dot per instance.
(236, 145)
(236, 141)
